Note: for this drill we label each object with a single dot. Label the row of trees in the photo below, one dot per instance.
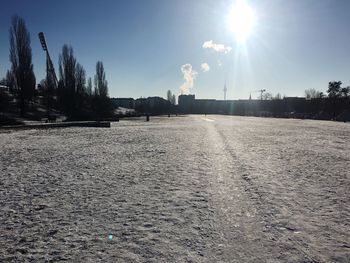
(335, 90)
(317, 104)
(74, 94)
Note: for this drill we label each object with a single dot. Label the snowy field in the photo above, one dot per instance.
(180, 189)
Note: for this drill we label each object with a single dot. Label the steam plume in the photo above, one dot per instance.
(189, 76)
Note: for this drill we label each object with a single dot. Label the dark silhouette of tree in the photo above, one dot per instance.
(49, 92)
(21, 60)
(80, 79)
(334, 89)
(89, 97)
(89, 87)
(334, 93)
(43, 94)
(67, 83)
(345, 92)
(101, 103)
(80, 88)
(278, 96)
(101, 85)
(74, 97)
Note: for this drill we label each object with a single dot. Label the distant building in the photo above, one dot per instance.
(123, 102)
(154, 105)
(278, 107)
(155, 102)
(186, 103)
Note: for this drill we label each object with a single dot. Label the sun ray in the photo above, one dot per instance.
(241, 20)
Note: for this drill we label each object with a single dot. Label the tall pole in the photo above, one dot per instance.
(50, 70)
(225, 90)
(51, 78)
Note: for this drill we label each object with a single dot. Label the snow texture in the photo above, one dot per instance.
(179, 189)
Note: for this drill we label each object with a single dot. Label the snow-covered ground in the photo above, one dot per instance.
(184, 189)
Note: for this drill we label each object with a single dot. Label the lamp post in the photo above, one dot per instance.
(225, 90)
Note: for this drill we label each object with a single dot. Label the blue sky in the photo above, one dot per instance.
(295, 45)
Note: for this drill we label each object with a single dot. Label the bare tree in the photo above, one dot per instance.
(67, 67)
(278, 96)
(266, 96)
(101, 103)
(80, 96)
(312, 94)
(101, 85)
(89, 87)
(21, 60)
(80, 76)
(67, 83)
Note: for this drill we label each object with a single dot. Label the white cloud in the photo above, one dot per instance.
(205, 67)
(189, 76)
(217, 47)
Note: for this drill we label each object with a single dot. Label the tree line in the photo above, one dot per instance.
(77, 96)
(335, 90)
(330, 105)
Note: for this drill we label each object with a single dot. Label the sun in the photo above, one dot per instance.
(241, 20)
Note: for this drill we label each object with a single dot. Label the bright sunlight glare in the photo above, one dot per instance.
(241, 20)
